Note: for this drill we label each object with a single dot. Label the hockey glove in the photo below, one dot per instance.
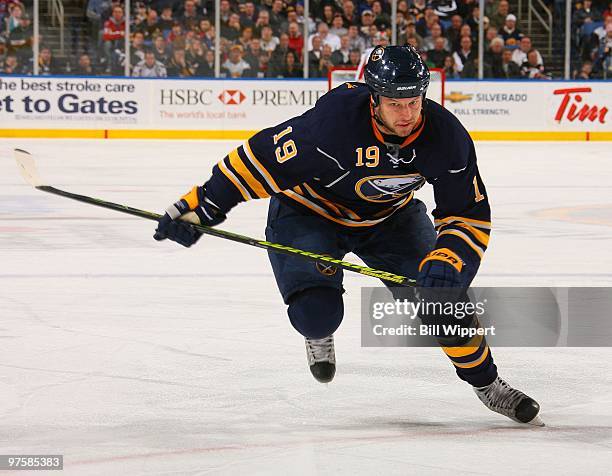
(193, 207)
(441, 268)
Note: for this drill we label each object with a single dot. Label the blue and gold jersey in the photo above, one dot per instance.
(334, 162)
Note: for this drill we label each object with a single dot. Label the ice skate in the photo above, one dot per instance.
(502, 398)
(321, 358)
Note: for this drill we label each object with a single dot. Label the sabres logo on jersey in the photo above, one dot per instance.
(388, 188)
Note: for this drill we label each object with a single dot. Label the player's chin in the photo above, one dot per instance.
(403, 130)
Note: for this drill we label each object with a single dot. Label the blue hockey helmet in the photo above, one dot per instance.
(396, 72)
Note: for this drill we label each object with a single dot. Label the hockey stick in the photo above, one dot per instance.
(27, 168)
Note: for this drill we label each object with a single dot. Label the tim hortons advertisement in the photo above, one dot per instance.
(531, 105)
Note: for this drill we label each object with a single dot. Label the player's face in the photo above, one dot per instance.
(399, 115)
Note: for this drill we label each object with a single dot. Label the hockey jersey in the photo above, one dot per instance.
(334, 162)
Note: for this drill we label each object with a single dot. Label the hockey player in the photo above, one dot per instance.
(341, 178)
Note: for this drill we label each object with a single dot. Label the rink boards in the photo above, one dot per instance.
(131, 108)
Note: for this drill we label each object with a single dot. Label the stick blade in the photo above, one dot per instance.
(27, 167)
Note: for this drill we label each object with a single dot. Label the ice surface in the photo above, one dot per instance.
(135, 357)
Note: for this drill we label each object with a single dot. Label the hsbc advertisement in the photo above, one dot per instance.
(238, 105)
(531, 105)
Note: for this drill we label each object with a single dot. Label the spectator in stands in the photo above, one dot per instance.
(510, 31)
(585, 72)
(326, 37)
(113, 35)
(356, 41)
(424, 25)
(328, 15)
(470, 69)
(47, 66)
(292, 17)
(532, 68)
(11, 65)
(235, 66)
(206, 69)
(177, 34)
(608, 12)
(450, 68)
(490, 34)
(207, 34)
(604, 55)
(464, 54)
(349, 15)
(14, 19)
(20, 40)
(314, 55)
(94, 11)
(600, 32)
(249, 16)
(417, 9)
(509, 69)
(195, 53)
(150, 27)
(341, 57)
(245, 37)
(439, 52)
(381, 19)
(256, 57)
(139, 15)
(493, 57)
(278, 57)
(296, 40)
(231, 30)
(367, 20)
(263, 20)
(276, 16)
(445, 9)
(160, 49)
(149, 67)
(225, 10)
(473, 21)
(466, 30)
(302, 20)
(337, 27)
(137, 48)
(498, 20)
(268, 42)
(85, 67)
(411, 33)
(325, 63)
(354, 58)
(519, 56)
(403, 8)
(434, 33)
(166, 20)
(292, 69)
(586, 14)
(453, 33)
(177, 67)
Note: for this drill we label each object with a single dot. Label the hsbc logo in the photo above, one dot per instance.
(231, 97)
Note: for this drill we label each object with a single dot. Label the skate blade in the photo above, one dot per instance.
(537, 421)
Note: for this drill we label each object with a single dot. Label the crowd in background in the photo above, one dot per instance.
(264, 38)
